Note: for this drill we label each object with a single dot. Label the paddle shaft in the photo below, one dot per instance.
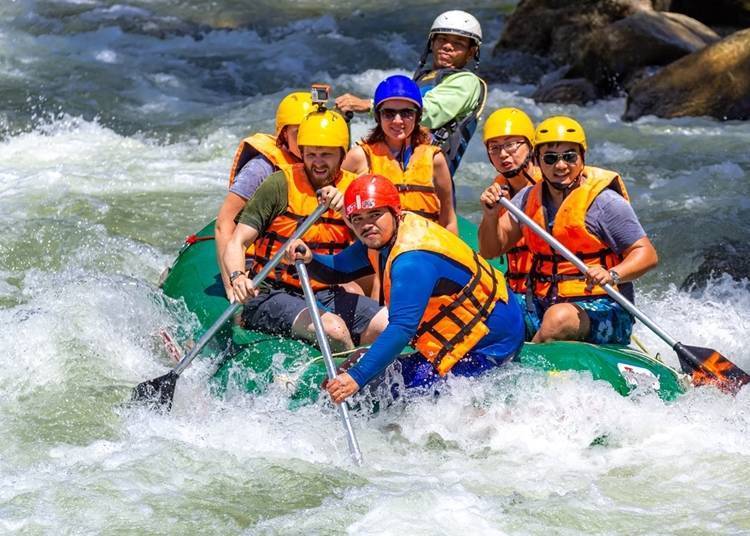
(609, 289)
(325, 348)
(270, 265)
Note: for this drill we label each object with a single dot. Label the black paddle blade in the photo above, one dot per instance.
(157, 393)
(709, 367)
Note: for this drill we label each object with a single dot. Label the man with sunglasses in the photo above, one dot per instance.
(453, 96)
(587, 209)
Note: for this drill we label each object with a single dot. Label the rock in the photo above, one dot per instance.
(566, 91)
(515, 66)
(646, 38)
(714, 81)
(638, 75)
(729, 256)
(559, 29)
(733, 13)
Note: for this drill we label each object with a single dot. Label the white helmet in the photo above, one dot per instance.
(457, 23)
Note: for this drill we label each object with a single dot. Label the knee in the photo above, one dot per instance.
(560, 322)
(335, 328)
(379, 322)
(375, 327)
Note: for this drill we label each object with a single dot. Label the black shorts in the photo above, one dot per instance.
(275, 311)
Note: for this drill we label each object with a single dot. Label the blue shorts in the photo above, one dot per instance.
(274, 311)
(610, 323)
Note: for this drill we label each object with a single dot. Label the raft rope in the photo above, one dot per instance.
(643, 348)
(193, 238)
(289, 380)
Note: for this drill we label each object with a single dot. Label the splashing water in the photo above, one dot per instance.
(119, 123)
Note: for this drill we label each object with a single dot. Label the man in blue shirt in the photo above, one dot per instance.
(441, 295)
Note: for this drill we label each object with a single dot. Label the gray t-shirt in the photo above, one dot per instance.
(252, 174)
(610, 217)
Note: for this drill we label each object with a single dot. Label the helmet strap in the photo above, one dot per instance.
(520, 169)
(560, 187)
(425, 54)
(564, 188)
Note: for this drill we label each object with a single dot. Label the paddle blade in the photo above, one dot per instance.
(709, 367)
(157, 393)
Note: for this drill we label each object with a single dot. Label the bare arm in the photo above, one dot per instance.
(638, 259)
(233, 259)
(352, 103)
(444, 189)
(223, 230)
(497, 233)
(355, 161)
(508, 232)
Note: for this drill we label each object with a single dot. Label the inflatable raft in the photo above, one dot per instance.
(253, 360)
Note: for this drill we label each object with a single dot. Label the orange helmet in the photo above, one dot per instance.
(371, 191)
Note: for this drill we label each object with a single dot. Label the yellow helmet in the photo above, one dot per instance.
(292, 109)
(509, 122)
(558, 129)
(324, 129)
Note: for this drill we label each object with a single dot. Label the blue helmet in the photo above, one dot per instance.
(397, 86)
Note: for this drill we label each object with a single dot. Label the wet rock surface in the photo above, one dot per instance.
(712, 82)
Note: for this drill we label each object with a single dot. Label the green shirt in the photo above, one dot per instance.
(269, 201)
(453, 98)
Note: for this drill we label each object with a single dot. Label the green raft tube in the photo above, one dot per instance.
(253, 360)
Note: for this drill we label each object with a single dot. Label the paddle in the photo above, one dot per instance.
(325, 349)
(706, 366)
(159, 392)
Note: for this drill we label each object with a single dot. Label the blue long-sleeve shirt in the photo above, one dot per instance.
(415, 277)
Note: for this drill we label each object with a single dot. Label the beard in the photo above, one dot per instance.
(318, 181)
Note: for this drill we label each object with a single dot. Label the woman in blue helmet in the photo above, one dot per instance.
(399, 149)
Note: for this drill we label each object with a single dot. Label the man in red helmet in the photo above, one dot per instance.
(441, 295)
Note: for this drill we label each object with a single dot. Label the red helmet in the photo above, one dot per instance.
(371, 191)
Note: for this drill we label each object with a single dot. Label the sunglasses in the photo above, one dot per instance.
(391, 113)
(569, 157)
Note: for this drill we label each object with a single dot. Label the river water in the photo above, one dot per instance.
(117, 126)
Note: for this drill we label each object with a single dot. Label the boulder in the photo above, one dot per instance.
(729, 256)
(559, 29)
(514, 66)
(566, 91)
(646, 38)
(714, 81)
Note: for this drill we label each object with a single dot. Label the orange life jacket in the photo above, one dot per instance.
(552, 277)
(256, 144)
(328, 235)
(519, 257)
(452, 324)
(415, 184)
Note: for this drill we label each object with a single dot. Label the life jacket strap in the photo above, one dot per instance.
(447, 311)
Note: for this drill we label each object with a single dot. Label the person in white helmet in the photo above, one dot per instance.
(453, 96)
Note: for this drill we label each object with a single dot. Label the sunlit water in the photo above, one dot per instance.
(119, 121)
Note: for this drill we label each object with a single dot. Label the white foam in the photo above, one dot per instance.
(94, 207)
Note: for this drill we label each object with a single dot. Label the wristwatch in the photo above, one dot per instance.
(615, 277)
(234, 275)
